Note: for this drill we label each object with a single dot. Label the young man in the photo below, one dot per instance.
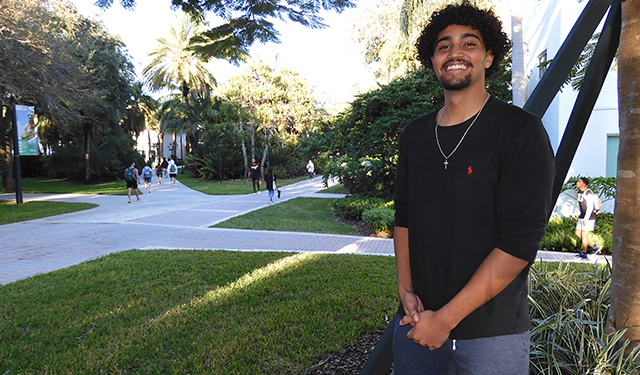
(473, 193)
(147, 174)
(587, 219)
(173, 171)
(256, 176)
(132, 178)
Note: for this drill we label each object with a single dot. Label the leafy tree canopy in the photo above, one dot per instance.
(246, 21)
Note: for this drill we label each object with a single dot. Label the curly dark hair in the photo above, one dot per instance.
(465, 14)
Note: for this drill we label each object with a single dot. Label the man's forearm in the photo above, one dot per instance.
(497, 271)
(403, 266)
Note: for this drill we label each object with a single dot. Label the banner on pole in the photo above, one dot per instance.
(27, 131)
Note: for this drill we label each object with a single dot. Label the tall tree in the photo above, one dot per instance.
(175, 66)
(68, 67)
(625, 287)
(279, 101)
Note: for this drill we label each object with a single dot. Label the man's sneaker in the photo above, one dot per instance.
(596, 249)
(583, 255)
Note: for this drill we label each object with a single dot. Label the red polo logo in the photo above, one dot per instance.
(470, 170)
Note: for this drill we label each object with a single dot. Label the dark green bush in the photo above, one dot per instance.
(560, 234)
(353, 206)
(379, 218)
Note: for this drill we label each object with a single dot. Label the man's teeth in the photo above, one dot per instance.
(450, 67)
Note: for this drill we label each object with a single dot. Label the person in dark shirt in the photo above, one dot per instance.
(256, 176)
(473, 194)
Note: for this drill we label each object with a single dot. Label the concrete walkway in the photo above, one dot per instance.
(170, 217)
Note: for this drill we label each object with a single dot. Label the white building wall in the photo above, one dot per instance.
(143, 144)
(546, 25)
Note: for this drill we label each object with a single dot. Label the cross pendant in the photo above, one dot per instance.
(446, 163)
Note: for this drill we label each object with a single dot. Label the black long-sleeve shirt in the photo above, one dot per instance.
(495, 192)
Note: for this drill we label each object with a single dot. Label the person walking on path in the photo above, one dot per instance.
(132, 178)
(173, 171)
(270, 181)
(159, 170)
(587, 220)
(164, 165)
(256, 176)
(147, 174)
(473, 191)
(310, 169)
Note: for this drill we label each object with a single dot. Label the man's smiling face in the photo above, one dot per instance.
(460, 57)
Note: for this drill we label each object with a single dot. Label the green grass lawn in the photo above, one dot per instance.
(229, 187)
(197, 312)
(63, 186)
(295, 215)
(335, 189)
(10, 212)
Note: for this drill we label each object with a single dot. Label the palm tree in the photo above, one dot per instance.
(625, 287)
(176, 67)
(139, 113)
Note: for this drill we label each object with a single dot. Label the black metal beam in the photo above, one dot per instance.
(567, 55)
(381, 358)
(593, 80)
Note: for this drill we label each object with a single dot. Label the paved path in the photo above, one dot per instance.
(171, 217)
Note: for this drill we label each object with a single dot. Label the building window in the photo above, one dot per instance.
(542, 64)
(613, 141)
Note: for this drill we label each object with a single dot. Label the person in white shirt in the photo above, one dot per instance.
(310, 169)
(587, 219)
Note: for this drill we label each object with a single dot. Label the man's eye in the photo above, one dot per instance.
(443, 48)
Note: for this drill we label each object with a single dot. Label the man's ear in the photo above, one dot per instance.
(488, 60)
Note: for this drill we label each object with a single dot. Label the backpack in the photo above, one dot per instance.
(147, 172)
(129, 175)
(159, 168)
(597, 203)
(173, 168)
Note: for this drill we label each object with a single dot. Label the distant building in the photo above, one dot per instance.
(545, 27)
(148, 142)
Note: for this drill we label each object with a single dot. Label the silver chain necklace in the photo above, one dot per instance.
(446, 157)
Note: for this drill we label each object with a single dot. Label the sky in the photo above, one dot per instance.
(326, 58)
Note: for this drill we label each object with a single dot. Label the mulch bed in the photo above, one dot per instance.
(348, 361)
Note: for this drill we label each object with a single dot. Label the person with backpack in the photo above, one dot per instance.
(147, 174)
(173, 171)
(132, 178)
(589, 204)
(159, 170)
(164, 165)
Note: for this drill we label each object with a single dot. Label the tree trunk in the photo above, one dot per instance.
(625, 287)
(87, 149)
(252, 133)
(265, 152)
(5, 150)
(185, 96)
(246, 161)
(149, 142)
(517, 65)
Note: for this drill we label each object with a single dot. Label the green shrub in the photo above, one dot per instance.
(569, 310)
(352, 206)
(560, 234)
(379, 218)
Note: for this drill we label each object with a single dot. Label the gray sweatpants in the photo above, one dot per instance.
(508, 354)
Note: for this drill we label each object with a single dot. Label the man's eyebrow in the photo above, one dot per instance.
(465, 35)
